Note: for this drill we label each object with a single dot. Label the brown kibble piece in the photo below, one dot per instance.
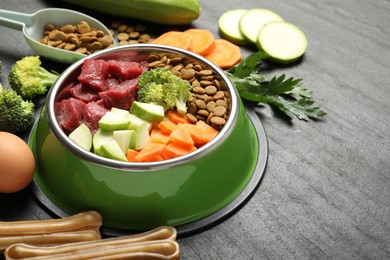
(211, 106)
(192, 108)
(188, 73)
(69, 46)
(203, 112)
(115, 24)
(221, 102)
(123, 36)
(216, 120)
(83, 27)
(192, 118)
(200, 104)
(210, 90)
(198, 90)
(134, 35)
(122, 28)
(219, 111)
(219, 95)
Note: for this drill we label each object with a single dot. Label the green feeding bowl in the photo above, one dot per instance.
(189, 192)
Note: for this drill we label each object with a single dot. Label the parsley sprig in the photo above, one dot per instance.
(287, 95)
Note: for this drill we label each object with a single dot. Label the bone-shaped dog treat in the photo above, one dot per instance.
(159, 250)
(158, 243)
(51, 239)
(80, 227)
(81, 221)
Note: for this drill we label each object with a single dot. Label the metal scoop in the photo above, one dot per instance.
(33, 26)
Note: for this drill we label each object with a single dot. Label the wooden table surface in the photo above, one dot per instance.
(325, 193)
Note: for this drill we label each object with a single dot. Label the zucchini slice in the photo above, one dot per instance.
(253, 20)
(282, 41)
(228, 24)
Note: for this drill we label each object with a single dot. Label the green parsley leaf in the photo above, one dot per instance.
(287, 95)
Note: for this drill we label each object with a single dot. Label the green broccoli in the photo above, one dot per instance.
(162, 87)
(29, 79)
(16, 114)
(153, 93)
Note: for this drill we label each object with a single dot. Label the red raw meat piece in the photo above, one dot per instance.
(94, 73)
(112, 82)
(69, 113)
(84, 93)
(120, 96)
(93, 112)
(124, 69)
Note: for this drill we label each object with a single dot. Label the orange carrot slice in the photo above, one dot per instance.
(155, 158)
(167, 126)
(174, 149)
(202, 41)
(225, 54)
(131, 154)
(175, 39)
(182, 136)
(150, 151)
(202, 133)
(176, 118)
(158, 136)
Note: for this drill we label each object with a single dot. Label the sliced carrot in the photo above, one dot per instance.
(202, 41)
(176, 118)
(158, 136)
(202, 133)
(182, 136)
(131, 154)
(225, 54)
(155, 158)
(174, 149)
(175, 39)
(167, 126)
(149, 151)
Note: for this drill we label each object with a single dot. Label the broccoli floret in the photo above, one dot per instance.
(159, 75)
(162, 87)
(178, 93)
(29, 79)
(16, 114)
(153, 93)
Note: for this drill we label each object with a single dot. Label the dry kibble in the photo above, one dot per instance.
(123, 36)
(219, 95)
(200, 104)
(192, 108)
(216, 120)
(122, 28)
(69, 46)
(123, 43)
(115, 24)
(203, 112)
(192, 118)
(210, 90)
(221, 102)
(83, 27)
(198, 90)
(67, 28)
(188, 73)
(81, 37)
(219, 111)
(130, 29)
(211, 106)
(205, 83)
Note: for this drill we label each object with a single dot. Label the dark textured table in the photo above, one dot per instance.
(326, 190)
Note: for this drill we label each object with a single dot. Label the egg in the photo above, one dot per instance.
(17, 163)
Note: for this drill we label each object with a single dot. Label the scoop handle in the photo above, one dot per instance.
(14, 20)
